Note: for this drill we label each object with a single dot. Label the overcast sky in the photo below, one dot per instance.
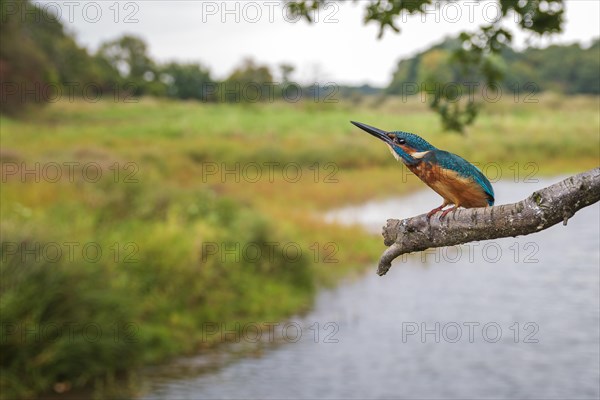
(338, 47)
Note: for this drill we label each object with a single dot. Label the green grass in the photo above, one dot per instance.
(154, 211)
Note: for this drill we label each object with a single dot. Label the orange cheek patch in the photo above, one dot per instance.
(406, 148)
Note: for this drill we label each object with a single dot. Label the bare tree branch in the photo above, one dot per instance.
(543, 209)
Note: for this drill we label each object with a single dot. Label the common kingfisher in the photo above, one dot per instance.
(459, 182)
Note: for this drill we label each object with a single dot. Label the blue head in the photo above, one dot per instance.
(403, 145)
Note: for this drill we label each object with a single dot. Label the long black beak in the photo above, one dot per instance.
(378, 133)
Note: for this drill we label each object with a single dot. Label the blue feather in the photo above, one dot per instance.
(465, 169)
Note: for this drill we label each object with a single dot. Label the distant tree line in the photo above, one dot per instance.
(568, 69)
(41, 62)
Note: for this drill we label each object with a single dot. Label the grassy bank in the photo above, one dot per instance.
(126, 228)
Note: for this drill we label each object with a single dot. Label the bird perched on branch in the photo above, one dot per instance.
(459, 182)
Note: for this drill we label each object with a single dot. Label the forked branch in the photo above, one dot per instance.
(541, 210)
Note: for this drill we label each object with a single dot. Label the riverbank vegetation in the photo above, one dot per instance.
(127, 227)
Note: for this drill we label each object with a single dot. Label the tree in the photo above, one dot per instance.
(185, 81)
(248, 83)
(286, 70)
(37, 57)
(250, 72)
(22, 62)
(128, 56)
(475, 55)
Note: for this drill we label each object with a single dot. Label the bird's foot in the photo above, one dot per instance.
(447, 211)
(430, 213)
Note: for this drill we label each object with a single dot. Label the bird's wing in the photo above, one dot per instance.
(463, 168)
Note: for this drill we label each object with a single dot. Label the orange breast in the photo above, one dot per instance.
(454, 188)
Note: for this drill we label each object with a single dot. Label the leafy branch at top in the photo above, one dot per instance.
(475, 58)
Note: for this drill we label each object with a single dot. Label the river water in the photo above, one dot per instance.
(510, 318)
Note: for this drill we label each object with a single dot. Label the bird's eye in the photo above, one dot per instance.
(400, 140)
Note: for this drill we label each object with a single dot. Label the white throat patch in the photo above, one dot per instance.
(396, 156)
